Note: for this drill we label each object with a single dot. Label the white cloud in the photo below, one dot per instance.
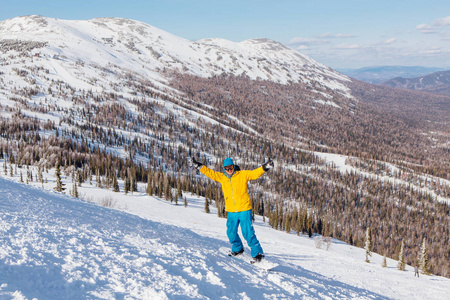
(435, 26)
(347, 46)
(306, 42)
(442, 22)
(390, 41)
(433, 51)
(425, 28)
(329, 35)
(345, 35)
(325, 35)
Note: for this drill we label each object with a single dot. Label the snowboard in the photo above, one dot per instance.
(263, 264)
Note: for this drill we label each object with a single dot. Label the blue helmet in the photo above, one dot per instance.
(228, 162)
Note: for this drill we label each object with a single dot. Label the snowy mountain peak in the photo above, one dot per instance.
(146, 50)
(23, 24)
(268, 44)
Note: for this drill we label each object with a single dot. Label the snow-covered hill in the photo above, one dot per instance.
(56, 247)
(113, 43)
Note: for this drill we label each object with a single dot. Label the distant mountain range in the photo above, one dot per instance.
(438, 82)
(381, 74)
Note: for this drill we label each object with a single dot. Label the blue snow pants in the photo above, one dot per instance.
(244, 218)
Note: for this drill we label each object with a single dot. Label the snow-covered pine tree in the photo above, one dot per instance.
(424, 266)
(59, 185)
(384, 264)
(40, 177)
(79, 178)
(401, 258)
(369, 244)
(75, 190)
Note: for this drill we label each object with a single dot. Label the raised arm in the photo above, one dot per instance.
(256, 173)
(214, 175)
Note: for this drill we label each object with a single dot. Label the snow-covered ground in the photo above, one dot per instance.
(53, 246)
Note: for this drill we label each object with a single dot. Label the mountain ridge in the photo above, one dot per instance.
(379, 74)
(438, 82)
(150, 47)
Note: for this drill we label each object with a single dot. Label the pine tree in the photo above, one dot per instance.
(133, 185)
(424, 266)
(206, 206)
(79, 178)
(149, 189)
(75, 190)
(40, 177)
(179, 191)
(369, 244)
(127, 185)
(160, 188)
(115, 184)
(167, 190)
(401, 258)
(133, 181)
(288, 224)
(59, 185)
(384, 264)
(99, 179)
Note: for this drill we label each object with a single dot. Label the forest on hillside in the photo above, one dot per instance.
(137, 131)
(303, 194)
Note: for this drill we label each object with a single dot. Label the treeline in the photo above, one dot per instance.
(344, 205)
(347, 126)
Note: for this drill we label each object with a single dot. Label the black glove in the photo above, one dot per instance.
(268, 165)
(195, 164)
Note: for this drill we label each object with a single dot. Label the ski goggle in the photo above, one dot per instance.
(229, 168)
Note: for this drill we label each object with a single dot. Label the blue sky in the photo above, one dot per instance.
(340, 34)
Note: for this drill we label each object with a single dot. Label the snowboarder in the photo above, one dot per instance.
(237, 202)
(416, 271)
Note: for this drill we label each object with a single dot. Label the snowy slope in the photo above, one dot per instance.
(112, 43)
(56, 247)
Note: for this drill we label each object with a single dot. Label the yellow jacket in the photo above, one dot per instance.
(235, 189)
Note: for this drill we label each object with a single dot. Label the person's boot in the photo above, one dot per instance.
(232, 253)
(258, 257)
